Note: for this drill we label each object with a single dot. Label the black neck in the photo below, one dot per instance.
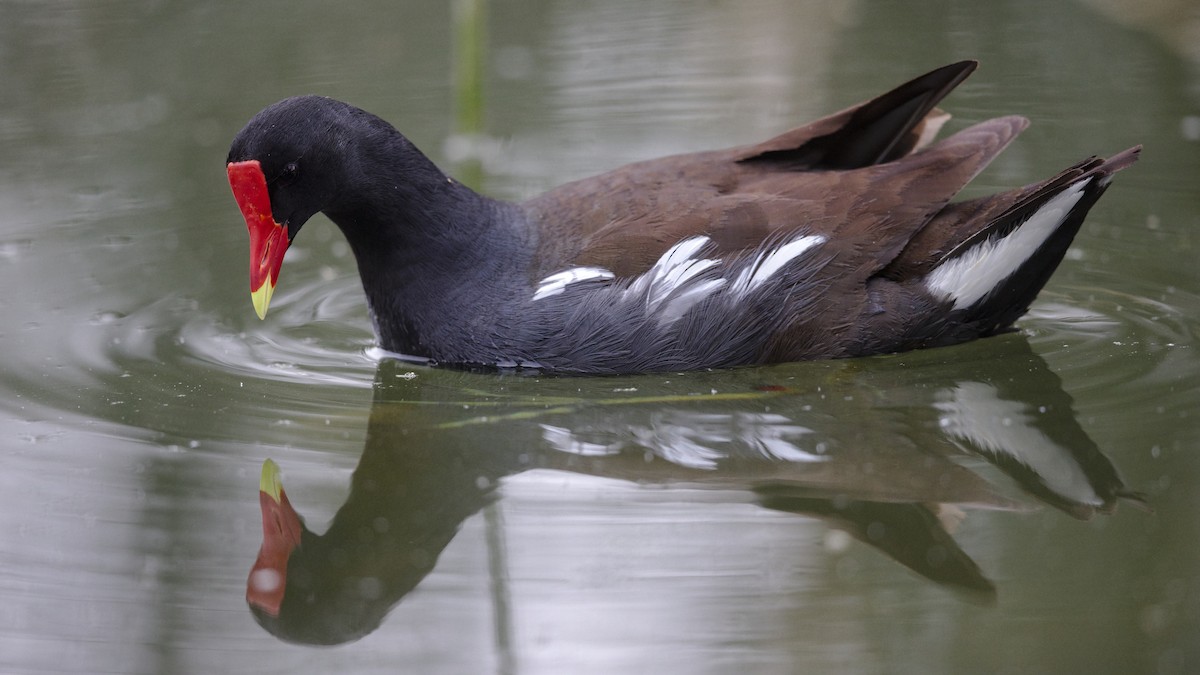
(424, 242)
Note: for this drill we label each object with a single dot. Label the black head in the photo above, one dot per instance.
(295, 158)
(310, 153)
(303, 145)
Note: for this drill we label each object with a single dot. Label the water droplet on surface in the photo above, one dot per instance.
(1189, 127)
(370, 588)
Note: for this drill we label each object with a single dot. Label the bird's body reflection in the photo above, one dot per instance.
(876, 451)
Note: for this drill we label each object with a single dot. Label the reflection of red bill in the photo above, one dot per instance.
(281, 535)
(268, 239)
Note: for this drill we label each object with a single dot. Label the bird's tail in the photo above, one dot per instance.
(991, 278)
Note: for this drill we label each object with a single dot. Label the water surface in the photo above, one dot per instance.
(956, 510)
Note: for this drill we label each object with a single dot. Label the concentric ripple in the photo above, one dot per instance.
(317, 333)
(1122, 346)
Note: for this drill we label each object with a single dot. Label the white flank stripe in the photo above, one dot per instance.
(673, 271)
(769, 262)
(677, 281)
(674, 278)
(557, 283)
(972, 275)
(673, 285)
(685, 299)
(679, 254)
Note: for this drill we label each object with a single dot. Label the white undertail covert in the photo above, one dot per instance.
(968, 278)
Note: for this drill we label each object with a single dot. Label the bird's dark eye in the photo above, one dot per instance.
(290, 172)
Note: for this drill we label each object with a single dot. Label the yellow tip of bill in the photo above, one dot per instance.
(269, 482)
(262, 298)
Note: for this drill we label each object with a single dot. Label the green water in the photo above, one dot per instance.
(945, 511)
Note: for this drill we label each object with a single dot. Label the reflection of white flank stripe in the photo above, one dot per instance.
(693, 440)
(974, 412)
(564, 440)
(770, 434)
(771, 261)
(557, 283)
(972, 275)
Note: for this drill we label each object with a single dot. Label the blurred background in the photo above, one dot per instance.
(957, 510)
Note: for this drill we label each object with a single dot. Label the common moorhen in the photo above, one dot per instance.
(835, 239)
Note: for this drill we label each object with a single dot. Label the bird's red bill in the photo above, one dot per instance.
(268, 239)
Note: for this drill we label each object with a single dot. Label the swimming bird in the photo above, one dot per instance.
(834, 239)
